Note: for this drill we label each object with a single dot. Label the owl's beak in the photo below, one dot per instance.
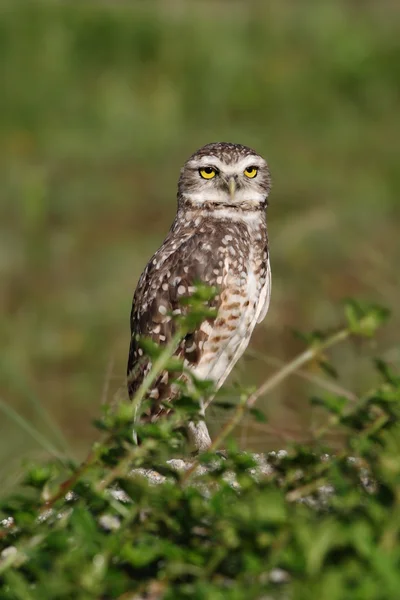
(232, 187)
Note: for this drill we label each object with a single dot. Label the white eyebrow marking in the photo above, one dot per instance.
(236, 167)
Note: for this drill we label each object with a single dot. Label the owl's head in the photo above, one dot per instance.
(225, 174)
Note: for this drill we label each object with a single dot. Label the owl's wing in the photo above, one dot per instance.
(266, 295)
(170, 276)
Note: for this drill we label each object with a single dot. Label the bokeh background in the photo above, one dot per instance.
(101, 103)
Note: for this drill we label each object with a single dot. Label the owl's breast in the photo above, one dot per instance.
(241, 293)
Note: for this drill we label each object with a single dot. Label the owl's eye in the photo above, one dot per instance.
(251, 172)
(208, 172)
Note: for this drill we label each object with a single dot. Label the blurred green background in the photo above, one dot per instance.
(101, 103)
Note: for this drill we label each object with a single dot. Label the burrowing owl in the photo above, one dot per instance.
(219, 237)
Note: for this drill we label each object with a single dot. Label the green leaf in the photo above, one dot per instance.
(328, 368)
(386, 372)
(150, 348)
(259, 416)
(334, 404)
(364, 318)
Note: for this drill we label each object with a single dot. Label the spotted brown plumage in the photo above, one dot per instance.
(218, 237)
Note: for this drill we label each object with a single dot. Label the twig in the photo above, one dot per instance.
(305, 490)
(330, 386)
(225, 431)
(267, 386)
(66, 485)
(295, 365)
(92, 457)
(121, 468)
(156, 369)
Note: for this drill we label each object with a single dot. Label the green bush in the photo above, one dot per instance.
(315, 524)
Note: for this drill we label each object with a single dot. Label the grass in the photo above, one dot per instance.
(100, 105)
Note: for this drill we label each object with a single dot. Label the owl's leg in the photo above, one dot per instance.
(198, 433)
(199, 436)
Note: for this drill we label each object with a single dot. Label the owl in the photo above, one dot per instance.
(218, 237)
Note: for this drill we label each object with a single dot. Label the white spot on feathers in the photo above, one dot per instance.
(206, 327)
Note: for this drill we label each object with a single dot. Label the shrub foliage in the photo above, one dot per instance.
(317, 524)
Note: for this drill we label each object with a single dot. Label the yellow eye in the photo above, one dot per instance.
(207, 172)
(251, 172)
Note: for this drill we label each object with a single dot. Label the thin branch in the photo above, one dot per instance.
(294, 365)
(92, 457)
(156, 369)
(323, 382)
(305, 490)
(121, 469)
(66, 485)
(267, 386)
(225, 431)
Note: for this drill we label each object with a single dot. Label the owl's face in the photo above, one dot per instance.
(226, 174)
